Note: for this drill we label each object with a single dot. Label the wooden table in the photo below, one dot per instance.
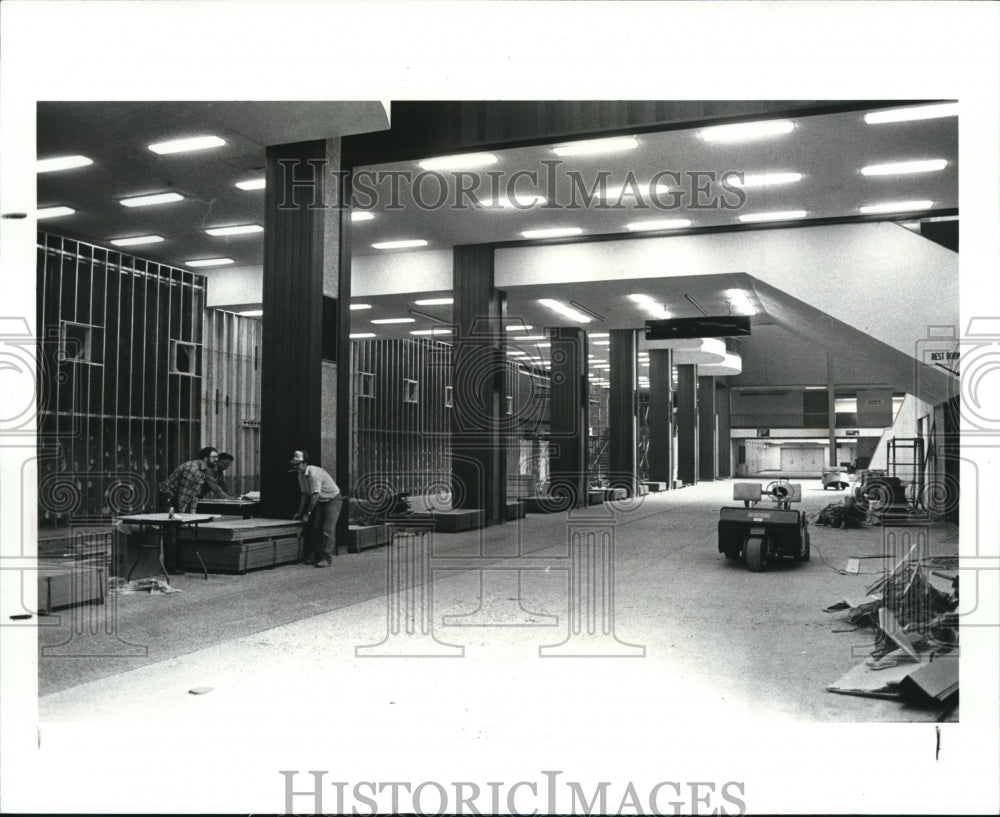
(165, 523)
(244, 508)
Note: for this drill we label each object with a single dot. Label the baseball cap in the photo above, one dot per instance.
(298, 457)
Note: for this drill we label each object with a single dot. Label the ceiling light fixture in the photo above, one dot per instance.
(598, 334)
(633, 192)
(763, 179)
(564, 310)
(434, 301)
(393, 320)
(209, 262)
(361, 215)
(893, 168)
(518, 327)
(252, 313)
(780, 215)
(235, 229)
(252, 184)
(54, 212)
(649, 305)
(935, 111)
(896, 206)
(135, 241)
(361, 335)
(552, 232)
(592, 147)
(360, 306)
(153, 198)
(746, 131)
(399, 245)
(658, 224)
(437, 330)
(185, 145)
(462, 161)
(61, 163)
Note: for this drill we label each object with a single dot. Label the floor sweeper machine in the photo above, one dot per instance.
(760, 533)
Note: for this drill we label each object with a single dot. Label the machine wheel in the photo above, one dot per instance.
(756, 550)
(804, 557)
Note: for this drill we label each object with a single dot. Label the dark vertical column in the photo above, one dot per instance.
(297, 251)
(687, 424)
(568, 405)
(661, 417)
(724, 441)
(831, 410)
(622, 423)
(479, 427)
(707, 455)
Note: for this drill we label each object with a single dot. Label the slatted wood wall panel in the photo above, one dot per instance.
(231, 394)
(398, 444)
(116, 412)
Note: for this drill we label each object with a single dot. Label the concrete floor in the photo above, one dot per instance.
(708, 661)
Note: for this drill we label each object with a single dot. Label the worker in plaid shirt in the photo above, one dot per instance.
(180, 491)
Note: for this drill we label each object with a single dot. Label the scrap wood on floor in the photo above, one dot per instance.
(915, 627)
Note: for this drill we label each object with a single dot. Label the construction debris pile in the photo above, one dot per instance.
(842, 514)
(912, 610)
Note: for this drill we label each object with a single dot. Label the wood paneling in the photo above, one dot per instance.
(231, 394)
(120, 373)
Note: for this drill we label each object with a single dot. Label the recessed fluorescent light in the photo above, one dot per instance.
(552, 232)
(209, 262)
(184, 145)
(745, 131)
(252, 313)
(590, 147)
(522, 202)
(399, 245)
(598, 334)
(658, 224)
(361, 215)
(155, 198)
(434, 301)
(780, 215)
(360, 335)
(519, 327)
(602, 343)
(530, 337)
(394, 320)
(252, 184)
(235, 229)
(892, 168)
(136, 240)
(565, 311)
(910, 114)
(649, 305)
(440, 330)
(61, 163)
(763, 179)
(361, 306)
(459, 162)
(54, 212)
(896, 206)
(517, 353)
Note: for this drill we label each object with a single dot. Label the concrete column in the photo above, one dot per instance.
(622, 425)
(687, 424)
(568, 412)
(661, 417)
(831, 410)
(478, 418)
(707, 442)
(302, 264)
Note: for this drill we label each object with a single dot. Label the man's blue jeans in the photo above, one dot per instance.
(321, 536)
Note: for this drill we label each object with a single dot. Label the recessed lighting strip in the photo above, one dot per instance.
(918, 112)
(894, 168)
(188, 144)
(747, 131)
(62, 163)
(235, 229)
(153, 198)
(135, 241)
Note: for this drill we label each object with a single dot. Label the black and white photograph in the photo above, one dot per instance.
(483, 407)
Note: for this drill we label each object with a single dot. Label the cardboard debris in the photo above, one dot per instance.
(869, 682)
(935, 682)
